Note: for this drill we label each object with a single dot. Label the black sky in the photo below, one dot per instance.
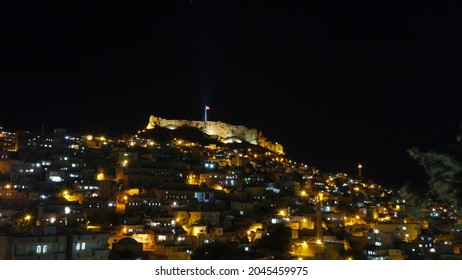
(334, 83)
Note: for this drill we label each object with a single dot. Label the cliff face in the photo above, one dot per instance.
(224, 132)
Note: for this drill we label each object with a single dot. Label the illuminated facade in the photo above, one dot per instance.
(48, 243)
(88, 246)
(8, 140)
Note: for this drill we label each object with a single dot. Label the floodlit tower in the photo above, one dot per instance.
(360, 170)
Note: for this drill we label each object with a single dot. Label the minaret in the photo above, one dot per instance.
(319, 249)
(360, 170)
(319, 218)
(318, 223)
(238, 159)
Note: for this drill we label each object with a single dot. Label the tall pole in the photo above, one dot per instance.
(205, 112)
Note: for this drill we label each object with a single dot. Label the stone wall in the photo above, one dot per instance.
(222, 130)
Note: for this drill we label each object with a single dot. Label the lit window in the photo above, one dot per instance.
(83, 245)
(45, 249)
(77, 246)
(39, 249)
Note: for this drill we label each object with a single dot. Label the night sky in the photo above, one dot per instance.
(334, 83)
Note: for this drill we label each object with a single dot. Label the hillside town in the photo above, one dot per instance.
(177, 193)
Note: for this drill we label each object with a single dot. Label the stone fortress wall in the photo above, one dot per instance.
(223, 131)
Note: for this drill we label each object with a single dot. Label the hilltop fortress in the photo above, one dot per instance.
(224, 132)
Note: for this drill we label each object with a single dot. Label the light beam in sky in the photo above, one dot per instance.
(205, 112)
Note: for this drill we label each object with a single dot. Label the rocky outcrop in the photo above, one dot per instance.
(224, 132)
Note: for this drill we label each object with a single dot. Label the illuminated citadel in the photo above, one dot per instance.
(224, 132)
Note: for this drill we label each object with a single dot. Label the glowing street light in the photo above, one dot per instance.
(28, 218)
(67, 211)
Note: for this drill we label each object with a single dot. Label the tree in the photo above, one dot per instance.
(442, 170)
(277, 241)
(441, 187)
